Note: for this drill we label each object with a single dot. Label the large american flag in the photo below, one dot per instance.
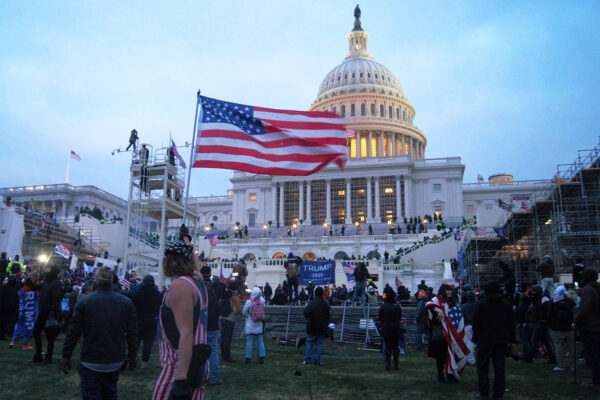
(453, 326)
(268, 141)
(212, 239)
(61, 250)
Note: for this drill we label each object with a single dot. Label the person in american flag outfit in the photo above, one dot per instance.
(446, 330)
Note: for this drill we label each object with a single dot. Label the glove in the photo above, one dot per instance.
(181, 390)
(132, 364)
(64, 365)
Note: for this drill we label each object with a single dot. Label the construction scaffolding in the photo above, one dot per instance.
(563, 221)
(156, 196)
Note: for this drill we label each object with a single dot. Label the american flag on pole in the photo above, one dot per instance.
(176, 153)
(453, 327)
(212, 239)
(268, 141)
(61, 251)
(75, 156)
(350, 133)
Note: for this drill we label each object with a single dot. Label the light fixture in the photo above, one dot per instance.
(42, 258)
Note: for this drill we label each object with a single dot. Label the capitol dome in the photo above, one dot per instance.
(370, 98)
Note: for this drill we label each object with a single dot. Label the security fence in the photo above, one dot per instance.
(354, 323)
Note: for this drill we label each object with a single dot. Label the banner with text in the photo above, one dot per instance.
(317, 272)
(349, 271)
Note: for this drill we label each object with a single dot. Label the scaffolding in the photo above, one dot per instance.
(156, 196)
(562, 222)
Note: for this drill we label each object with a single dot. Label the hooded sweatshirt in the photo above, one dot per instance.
(587, 316)
(252, 327)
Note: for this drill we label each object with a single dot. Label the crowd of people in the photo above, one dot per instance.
(196, 316)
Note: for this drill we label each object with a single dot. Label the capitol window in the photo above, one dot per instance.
(403, 115)
(389, 190)
(369, 75)
(437, 187)
(334, 110)
(381, 110)
(373, 110)
(341, 192)
(352, 110)
(390, 113)
(397, 113)
(363, 109)
(353, 75)
(376, 77)
(252, 196)
(346, 77)
(343, 111)
(361, 74)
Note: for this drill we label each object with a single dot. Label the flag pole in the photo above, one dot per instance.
(192, 151)
(68, 168)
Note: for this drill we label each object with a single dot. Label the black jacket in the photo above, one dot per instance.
(317, 316)
(493, 321)
(213, 308)
(561, 314)
(147, 300)
(108, 323)
(50, 299)
(546, 269)
(390, 316)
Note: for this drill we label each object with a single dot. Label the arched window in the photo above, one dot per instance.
(352, 110)
(403, 115)
(339, 77)
(397, 113)
(353, 75)
(346, 77)
(341, 255)
(381, 110)
(334, 110)
(308, 256)
(376, 77)
(373, 109)
(369, 75)
(361, 74)
(390, 113)
(278, 255)
(363, 109)
(374, 254)
(343, 110)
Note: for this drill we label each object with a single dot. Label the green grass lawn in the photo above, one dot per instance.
(346, 372)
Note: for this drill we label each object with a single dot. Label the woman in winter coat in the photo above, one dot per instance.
(390, 316)
(254, 327)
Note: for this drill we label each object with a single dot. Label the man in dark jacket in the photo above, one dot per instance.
(268, 293)
(49, 317)
(493, 329)
(587, 322)
(9, 306)
(212, 329)
(361, 274)
(562, 310)
(546, 270)
(292, 272)
(317, 316)
(578, 269)
(108, 324)
(147, 300)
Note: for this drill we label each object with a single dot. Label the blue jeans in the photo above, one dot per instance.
(524, 331)
(212, 338)
(420, 329)
(310, 339)
(98, 385)
(226, 337)
(540, 333)
(359, 287)
(250, 343)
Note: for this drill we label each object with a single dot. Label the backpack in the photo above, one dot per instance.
(257, 311)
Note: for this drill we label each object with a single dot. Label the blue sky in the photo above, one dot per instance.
(507, 86)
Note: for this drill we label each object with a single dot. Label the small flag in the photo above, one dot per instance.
(62, 251)
(124, 281)
(479, 178)
(224, 276)
(75, 156)
(500, 233)
(176, 152)
(212, 239)
(350, 133)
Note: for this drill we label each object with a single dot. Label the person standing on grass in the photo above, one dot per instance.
(587, 323)
(108, 324)
(182, 326)
(562, 310)
(390, 316)
(212, 329)
(147, 300)
(493, 329)
(317, 327)
(254, 311)
(228, 322)
(28, 310)
(49, 317)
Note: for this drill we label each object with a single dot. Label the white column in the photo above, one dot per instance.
(348, 219)
(380, 144)
(369, 145)
(300, 200)
(358, 146)
(392, 140)
(308, 205)
(328, 202)
(64, 209)
(407, 197)
(377, 203)
(274, 203)
(281, 190)
(398, 199)
(369, 201)
(404, 145)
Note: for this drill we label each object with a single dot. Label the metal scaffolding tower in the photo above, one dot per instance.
(156, 196)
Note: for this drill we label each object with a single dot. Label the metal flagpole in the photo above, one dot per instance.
(192, 151)
(68, 167)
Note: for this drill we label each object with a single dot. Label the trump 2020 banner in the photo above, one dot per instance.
(317, 272)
